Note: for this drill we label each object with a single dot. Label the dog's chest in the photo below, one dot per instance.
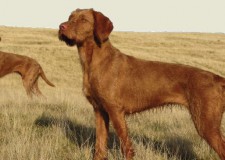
(86, 91)
(86, 86)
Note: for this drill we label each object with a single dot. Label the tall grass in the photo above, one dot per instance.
(62, 127)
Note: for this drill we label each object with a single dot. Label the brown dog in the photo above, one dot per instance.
(117, 84)
(28, 68)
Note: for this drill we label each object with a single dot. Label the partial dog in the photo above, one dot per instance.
(28, 68)
(117, 84)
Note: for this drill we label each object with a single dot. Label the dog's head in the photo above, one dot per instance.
(83, 24)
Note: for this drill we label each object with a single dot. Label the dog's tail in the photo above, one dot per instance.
(42, 74)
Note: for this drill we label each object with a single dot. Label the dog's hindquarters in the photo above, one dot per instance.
(30, 80)
(206, 105)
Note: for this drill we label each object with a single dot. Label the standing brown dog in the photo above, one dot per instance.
(28, 68)
(117, 84)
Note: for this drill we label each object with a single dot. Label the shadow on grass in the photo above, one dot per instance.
(85, 136)
(78, 134)
(172, 146)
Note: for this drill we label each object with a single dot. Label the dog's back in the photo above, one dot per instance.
(29, 69)
(10, 62)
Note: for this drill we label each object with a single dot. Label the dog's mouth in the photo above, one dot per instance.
(68, 41)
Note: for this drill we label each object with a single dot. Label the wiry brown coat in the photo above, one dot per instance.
(117, 84)
(28, 68)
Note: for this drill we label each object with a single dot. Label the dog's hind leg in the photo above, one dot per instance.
(28, 87)
(29, 80)
(36, 89)
(207, 116)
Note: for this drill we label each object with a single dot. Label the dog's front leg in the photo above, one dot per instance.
(102, 130)
(119, 123)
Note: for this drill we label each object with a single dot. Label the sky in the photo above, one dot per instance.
(126, 15)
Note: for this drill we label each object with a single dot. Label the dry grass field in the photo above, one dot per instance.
(62, 127)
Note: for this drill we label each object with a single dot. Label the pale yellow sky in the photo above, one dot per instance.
(126, 15)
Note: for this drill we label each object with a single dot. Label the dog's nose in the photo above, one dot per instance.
(62, 27)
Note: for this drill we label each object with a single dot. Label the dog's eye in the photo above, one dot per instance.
(84, 20)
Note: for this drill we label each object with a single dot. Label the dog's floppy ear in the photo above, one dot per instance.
(102, 27)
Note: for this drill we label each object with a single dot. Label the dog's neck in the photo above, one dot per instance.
(90, 53)
(89, 50)
(85, 52)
